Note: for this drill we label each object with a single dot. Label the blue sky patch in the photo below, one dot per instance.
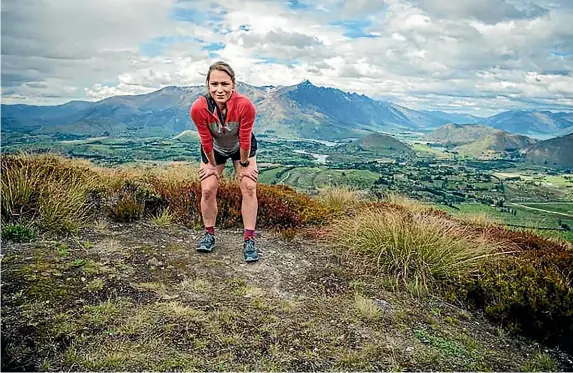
(203, 18)
(214, 46)
(355, 28)
(296, 5)
(561, 54)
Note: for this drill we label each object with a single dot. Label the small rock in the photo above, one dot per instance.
(384, 305)
(409, 349)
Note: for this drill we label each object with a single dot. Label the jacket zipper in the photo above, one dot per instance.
(218, 119)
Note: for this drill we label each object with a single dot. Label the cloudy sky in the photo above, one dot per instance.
(469, 56)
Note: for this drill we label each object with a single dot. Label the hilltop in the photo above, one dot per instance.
(378, 144)
(458, 134)
(99, 273)
(556, 152)
(187, 136)
(135, 296)
(496, 143)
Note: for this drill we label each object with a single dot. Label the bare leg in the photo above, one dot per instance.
(209, 188)
(249, 205)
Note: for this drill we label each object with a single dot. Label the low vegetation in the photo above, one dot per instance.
(414, 248)
(61, 195)
(81, 295)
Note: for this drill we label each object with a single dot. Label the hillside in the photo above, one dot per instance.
(188, 136)
(99, 272)
(498, 142)
(378, 144)
(531, 122)
(556, 152)
(457, 134)
(299, 309)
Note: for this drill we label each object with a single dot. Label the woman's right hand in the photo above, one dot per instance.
(208, 170)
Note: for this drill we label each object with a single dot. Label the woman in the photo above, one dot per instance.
(224, 119)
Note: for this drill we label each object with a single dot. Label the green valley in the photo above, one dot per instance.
(506, 189)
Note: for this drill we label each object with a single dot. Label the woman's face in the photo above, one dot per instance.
(220, 86)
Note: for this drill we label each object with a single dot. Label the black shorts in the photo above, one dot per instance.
(236, 156)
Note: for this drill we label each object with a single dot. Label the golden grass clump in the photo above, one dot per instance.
(409, 204)
(480, 219)
(338, 198)
(413, 249)
(366, 308)
(50, 190)
(163, 218)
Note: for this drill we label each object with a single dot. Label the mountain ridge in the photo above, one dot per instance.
(303, 110)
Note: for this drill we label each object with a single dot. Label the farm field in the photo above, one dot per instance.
(313, 178)
(523, 217)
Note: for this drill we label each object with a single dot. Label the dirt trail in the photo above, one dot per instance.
(542, 210)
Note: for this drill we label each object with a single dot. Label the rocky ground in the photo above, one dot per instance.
(136, 296)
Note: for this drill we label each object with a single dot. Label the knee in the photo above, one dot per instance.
(248, 187)
(209, 190)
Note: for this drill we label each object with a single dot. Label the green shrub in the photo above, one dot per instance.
(531, 290)
(131, 200)
(18, 233)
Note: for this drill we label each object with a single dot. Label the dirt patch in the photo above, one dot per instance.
(139, 297)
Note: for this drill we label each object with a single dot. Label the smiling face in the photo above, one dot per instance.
(220, 86)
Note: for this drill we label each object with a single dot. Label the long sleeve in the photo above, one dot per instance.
(199, 116)
(248, 113)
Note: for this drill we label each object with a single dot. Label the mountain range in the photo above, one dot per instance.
(303, 110)
(480, 141)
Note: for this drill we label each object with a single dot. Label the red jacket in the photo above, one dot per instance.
(225, 137)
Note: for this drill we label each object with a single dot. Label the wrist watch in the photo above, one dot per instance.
(244, 164)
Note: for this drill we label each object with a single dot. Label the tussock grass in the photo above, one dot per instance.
(413, 249)
(480, 219)
(57, 194)
(540, 362)
(50, 190)
(407, 203)
(162, 219)
(338, 198)
(101, 224)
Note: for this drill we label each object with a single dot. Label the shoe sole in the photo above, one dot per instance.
(248, 260)
(202, 249)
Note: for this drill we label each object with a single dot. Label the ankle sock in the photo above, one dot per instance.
(249, 233)
(210, 230)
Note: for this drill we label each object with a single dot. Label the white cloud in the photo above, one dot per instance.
(465, 55)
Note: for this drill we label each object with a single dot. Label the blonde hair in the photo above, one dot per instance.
(221, 66)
